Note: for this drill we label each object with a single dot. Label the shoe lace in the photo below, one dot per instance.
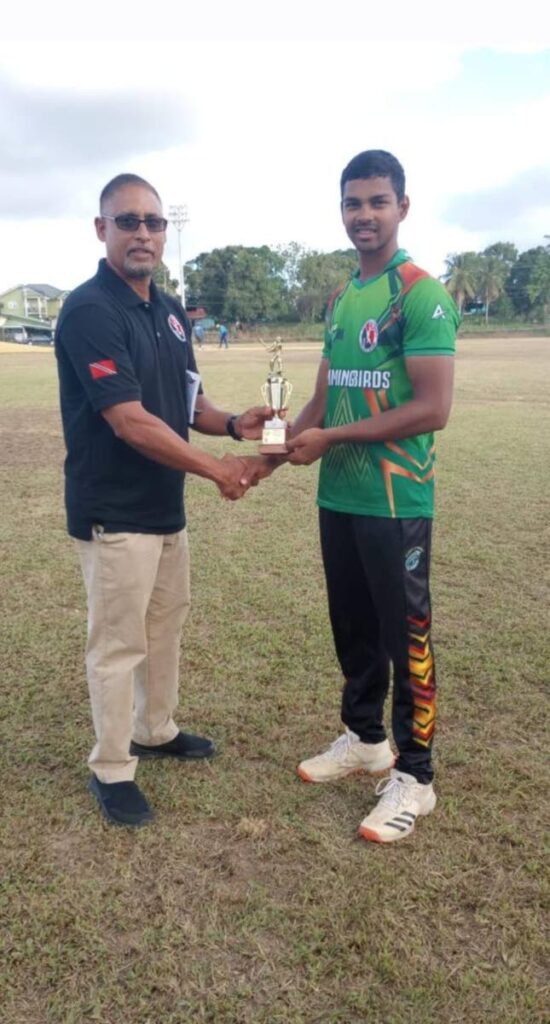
(390, 790)
(340, 746)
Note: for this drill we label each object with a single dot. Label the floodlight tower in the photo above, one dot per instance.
(179, 217)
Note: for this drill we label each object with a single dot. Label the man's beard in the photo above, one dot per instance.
(139, 272)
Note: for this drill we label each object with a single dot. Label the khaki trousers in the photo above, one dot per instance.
(138, 599)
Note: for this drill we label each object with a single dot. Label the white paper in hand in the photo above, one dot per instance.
(192, 389)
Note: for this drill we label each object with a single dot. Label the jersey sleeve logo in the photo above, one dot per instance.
(368, 336)
(176, 327)
(438, 313)
(103, 368)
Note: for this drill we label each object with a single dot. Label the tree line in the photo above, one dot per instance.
(501, 282)
(255, 284)
(292, 283)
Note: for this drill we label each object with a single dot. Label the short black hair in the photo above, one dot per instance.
(375, 163)
(121, 181)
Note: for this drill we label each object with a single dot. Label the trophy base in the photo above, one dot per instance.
(274, 438)
(273, 449)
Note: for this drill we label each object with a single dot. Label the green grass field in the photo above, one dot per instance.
(250, 901)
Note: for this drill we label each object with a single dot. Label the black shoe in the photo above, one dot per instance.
(184, 747)
(122, 803)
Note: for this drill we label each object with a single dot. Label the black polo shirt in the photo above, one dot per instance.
(113, 347)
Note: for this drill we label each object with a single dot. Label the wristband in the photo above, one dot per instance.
(231, 429)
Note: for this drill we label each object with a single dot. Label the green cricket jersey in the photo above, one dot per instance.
(371, 327)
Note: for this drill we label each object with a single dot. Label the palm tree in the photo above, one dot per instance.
(491, 278)
(538, 288)
(461, 276)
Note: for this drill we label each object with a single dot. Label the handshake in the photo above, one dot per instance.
(238, 473)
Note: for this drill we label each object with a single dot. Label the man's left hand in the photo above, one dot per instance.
(307, 447)
(251, 423)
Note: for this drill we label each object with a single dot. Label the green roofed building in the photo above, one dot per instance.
(29, 312)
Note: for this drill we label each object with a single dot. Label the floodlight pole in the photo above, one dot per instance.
(179, 217)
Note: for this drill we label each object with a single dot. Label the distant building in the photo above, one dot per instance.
(37, 301)
(29, 312)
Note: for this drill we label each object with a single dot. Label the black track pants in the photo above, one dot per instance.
(377, 573)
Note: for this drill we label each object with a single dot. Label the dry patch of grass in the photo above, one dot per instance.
(250, 901)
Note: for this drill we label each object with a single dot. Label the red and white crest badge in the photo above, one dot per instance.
(368, 336)
(176, 328)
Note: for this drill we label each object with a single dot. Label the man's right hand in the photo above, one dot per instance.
(233, 483)
(258, 467)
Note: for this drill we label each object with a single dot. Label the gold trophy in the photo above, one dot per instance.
(275, 392)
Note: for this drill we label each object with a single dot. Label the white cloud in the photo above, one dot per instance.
(474, 25)
(273, 123)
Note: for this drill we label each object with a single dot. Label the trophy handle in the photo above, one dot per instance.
(287, 391)
(276, 392)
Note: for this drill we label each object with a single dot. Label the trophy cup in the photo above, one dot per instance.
(275, 392)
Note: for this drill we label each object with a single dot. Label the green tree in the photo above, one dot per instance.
(319, 274)
(527, 285)
(507, 255)
(506, 252)
(162, 279)
(292, 255)
(538, 288)
(461, 277)
(256, 288)
(491, 278)
(206, 278)
(503, 307)
(240, 283)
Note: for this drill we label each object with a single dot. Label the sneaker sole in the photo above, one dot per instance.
(374, 837)
(374, 773)
(125, 824)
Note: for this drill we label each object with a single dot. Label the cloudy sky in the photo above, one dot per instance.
(247, 115)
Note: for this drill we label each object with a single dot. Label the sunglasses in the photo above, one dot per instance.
(131, 222)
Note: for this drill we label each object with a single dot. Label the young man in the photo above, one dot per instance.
(383, 387)
(128, 381)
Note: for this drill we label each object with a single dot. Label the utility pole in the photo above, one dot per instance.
(178, 216)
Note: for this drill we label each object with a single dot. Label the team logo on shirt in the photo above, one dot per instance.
(368, 336)
(413, 558)
(103, 368)
(438, 313)
(176, 327)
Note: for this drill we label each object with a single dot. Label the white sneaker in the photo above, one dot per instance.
(402, 801)
(346, 756)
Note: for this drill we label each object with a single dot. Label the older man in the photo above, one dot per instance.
(129, 391)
